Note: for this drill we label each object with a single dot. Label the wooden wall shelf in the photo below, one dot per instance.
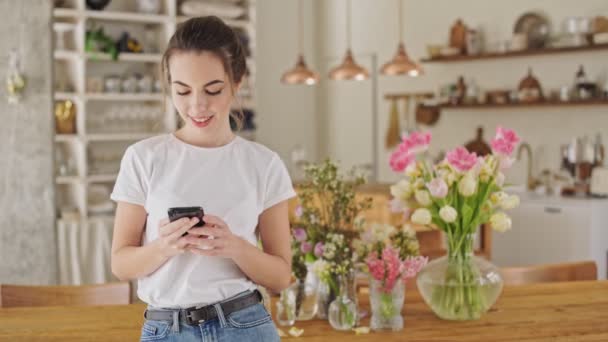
(510, 54)
(528, 105)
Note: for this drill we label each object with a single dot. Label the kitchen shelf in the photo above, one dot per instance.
(101, 178)
(130, 17)
(528, 105)
(123, 97)
(119, 136)
(65, 55)
(510, 54)
(67, 180)
(59, 96)
(125, 57)
(234, 23)
(66, 13)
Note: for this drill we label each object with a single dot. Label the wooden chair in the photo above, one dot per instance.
(585, 270)
(104, 294)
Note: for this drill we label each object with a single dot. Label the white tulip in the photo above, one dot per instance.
(510, 202)
(421, 216)
(448, 214)
(402, 190)
(467, 185)
(500, 222)
(423, 198)
(498, 198)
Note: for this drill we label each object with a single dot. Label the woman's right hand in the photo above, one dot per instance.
(170, 239)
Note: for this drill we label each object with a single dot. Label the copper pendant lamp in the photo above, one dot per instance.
(349, 69)
(401, 64)
(300, 73)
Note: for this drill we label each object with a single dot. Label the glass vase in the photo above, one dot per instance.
(286, 307)
(307, 296)
(342, 313)
(386, 305)
(327, 291)
(460, 286)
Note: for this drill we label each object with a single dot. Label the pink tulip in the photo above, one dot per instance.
(461, 159)
(438, 188)
(299, 234)
(507, 134)
(417, 142)
(400, 160)
(504, 142)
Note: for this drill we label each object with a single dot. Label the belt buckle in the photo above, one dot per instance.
(191, 320)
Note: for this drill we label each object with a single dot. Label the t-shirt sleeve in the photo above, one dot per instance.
(278, 184)
(131, 183)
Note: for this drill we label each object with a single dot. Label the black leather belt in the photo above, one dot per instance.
(195, 316)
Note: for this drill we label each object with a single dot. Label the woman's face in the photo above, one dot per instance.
(201, 90)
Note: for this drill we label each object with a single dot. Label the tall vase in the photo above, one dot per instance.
(460, 286)
(342, 313)
(307, 296)
(386, 306)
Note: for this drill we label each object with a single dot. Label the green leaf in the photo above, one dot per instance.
(467, 215)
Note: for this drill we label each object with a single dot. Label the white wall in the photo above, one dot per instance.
(286, 114)
(343, 109)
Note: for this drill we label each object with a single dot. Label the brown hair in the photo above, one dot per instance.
(210, 34)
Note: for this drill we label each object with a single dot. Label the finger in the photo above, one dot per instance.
(208, 252)
(214, 220)
(170, 227)
(163, 222)
(180, 230)
(208, 231)
(182, 243)
(204, 242)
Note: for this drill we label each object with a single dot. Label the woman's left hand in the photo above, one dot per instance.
(223, 244)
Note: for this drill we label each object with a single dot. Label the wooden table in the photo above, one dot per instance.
(576, 311)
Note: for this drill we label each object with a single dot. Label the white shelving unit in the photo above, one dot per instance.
(74, 66)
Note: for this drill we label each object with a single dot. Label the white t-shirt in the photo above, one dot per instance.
(235, 182)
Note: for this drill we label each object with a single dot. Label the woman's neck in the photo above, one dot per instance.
(193, 136)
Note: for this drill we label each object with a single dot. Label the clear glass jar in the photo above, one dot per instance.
(307, 296)
(460, 286)
(386, 306)
(286, 307)
(342, 313)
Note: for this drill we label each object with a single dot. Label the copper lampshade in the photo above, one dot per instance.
(300, 74)
(349, 70)
(401, 64)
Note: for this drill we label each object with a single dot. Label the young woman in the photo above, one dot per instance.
(201, 286)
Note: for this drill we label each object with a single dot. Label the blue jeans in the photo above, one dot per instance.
(252, 323)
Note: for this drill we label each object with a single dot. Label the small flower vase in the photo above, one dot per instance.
(386, 306)
(460, 286)
(327, 291)
(342, 312)
(286, 306)
(307, 296)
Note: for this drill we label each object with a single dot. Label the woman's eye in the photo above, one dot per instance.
(213, 93)
(183, 93)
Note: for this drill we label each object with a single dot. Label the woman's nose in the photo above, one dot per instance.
(199, 103)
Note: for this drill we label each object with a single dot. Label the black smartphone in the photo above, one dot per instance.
(190, 212)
